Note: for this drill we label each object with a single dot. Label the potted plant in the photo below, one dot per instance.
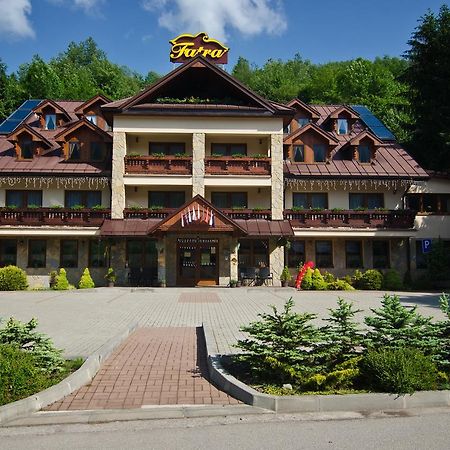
(285, 276)
(162, 282)
(233, 283)
(111, 277)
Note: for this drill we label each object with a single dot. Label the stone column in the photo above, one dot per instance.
(234, 275)
(118, 170)
(161, 249)
(276, 260)
(276, 153)
(198, 164)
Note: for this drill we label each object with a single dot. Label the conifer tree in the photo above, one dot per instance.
(86, 281)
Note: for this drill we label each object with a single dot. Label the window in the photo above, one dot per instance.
(23, 199)
(299, 153)
(8, 252)
(319, 152)
(26, 149)
(421, 259)
(166, 199)
(87, 199)
(50, 121)
(166, 148)
(367, 201)
(97, 153)
(342, 126)
(287, 129)
(353, 254)
(92, 118)
(68, 253)
(97, 253)
(429, 203)
(142, 254)
(364, 153)
(228, 149)
(307, 200)
(380, 254)
(302, 121)
(37, 252)
(324, 254)
(74, 150)
(252, 253)
(229, 199)
(296, 254)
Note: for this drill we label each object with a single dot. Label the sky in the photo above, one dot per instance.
(136, 33)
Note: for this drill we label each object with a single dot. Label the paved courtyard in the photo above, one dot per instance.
(153, 366)
(80, 321)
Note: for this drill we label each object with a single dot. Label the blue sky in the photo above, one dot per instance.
(136, 32)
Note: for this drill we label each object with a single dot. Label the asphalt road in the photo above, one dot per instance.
(427, 430)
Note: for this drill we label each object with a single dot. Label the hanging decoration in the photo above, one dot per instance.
(58, 182)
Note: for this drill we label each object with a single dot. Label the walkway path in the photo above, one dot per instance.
(154, 366)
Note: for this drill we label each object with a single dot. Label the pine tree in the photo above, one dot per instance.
(86, 281)
(62, 283)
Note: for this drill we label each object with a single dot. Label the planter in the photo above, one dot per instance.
(111, 284)
(284, 283)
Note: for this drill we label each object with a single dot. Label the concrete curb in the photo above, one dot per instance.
(79, 378)
(314, 403)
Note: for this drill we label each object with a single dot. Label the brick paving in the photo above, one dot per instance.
(198, 298)
(154, 366)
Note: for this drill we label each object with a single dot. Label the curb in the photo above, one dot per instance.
(314, 403)
(74, 381)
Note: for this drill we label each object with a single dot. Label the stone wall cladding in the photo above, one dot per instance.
(118, 170)
(276, 152)
(198, 164)
(276, 261)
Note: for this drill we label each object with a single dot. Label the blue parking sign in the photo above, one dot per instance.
(426, 245)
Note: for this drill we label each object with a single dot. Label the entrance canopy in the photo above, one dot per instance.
(266, 228)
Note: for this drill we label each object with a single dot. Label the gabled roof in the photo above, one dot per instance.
(13, 137)
(54, 105)
(365, 134)
(344, 108)
(314, 128)
(298, 104)
(82, 123)
(174, 219)
(95, 99)
(197, 62)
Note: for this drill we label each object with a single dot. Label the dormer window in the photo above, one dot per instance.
(364, 153)
(299, 153)
(50, 121)
(342, 126)
(92, 118)
(302, 121)
(26, 149)
(319, 151)
(74, 151)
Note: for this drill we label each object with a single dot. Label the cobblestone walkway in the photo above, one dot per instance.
(154, 366)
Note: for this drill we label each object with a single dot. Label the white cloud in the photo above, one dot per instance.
(248, 17)
(91, 7)
(14, 19)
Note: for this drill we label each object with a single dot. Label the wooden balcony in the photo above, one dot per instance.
(164, 165)
(224, 165)
(246, 214)
(393, 219)
(162, 213)
(53, 216)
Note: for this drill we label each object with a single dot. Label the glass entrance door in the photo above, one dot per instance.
(197, 262)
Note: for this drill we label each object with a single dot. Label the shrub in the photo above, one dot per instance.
(13, 278)
(52, 278)
(25, 336)
(392, 280)
(285, 274)
(328, 277)
(307, 280)
(86, 281)
(340, 285)
(400, 371)
(19, 375)
(318, 283)
(371, 280)
(61, 282)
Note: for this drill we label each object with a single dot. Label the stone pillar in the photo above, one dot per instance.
(276, 260)
(161, 249)
(276, 153)
(234, 275)
(198, 164)
(118, 170)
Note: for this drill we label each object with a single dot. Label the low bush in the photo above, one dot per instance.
(61, 281)
(370, 280)
(13, 278)
(318, 283)
(86, 281)
(392, 280)
(307, 282)
(328, 277)
(400, 371)
(340, 285)
(19, 374)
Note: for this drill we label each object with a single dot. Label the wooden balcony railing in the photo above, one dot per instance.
(144, 213)
(246, 214)
(398, 219)
(175, 165)
(54, 216)
(223, 165)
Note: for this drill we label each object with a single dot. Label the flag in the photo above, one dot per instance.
(211, 220)
(194, 218)
(182, 218)
(206, 218)
(189, 216)
(198, 211)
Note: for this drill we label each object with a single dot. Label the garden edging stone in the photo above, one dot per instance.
(314, 403)
(74, 381)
